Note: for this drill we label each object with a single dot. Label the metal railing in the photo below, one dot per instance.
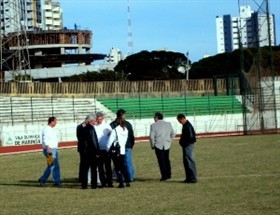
(111, 87)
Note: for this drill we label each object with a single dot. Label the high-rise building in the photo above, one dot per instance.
(52, 15)
(251, 29)
(16, 15)
(29, 15)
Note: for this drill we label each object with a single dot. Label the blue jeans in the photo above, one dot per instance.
(129, 164)
(54, 168)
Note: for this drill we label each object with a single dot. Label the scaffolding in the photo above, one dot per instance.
(257, 76)
(13, 28)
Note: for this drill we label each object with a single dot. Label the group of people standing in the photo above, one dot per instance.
(95, 138)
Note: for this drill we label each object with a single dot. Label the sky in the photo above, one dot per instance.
(185, 26)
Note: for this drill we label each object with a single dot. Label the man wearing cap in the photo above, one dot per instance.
(161, 136)
(129, 143)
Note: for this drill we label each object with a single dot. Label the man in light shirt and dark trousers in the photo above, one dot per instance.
(50, 148)
(103, 131)
(161, 136)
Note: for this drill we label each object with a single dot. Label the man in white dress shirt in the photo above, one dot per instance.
(103, 131)
(50, 148)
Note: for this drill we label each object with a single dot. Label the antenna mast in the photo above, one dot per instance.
(130, 42)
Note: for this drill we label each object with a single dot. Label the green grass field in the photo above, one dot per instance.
(237, 175)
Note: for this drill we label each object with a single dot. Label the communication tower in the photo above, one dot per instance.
(13, 40)
(130, 39)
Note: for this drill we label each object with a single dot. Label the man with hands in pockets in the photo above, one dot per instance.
(161, 136)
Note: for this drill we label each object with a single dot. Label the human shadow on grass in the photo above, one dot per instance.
(73, 183)
(143, 179)
(66, 183)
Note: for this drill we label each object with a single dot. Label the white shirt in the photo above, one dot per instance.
(122, 137)
(49, 137)
(103, 132)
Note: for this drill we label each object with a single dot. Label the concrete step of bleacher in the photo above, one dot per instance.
(37, 109)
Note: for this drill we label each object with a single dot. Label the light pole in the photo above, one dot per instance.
(127, 76)
(187, 66)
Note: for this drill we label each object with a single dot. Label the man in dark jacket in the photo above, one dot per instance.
(90, 148)
(187, 140)
(80, 133)
(129, 144)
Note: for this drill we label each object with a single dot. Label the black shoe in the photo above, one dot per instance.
(127, 184)
(41, 184)
(58, 185)
(163, 179)
(110, 185)
(121, 186)
(168, 177)
(190, 181)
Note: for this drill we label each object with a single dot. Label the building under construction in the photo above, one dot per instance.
(48, 49)
(34, 44)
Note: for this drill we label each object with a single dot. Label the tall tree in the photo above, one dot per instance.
(155, 65)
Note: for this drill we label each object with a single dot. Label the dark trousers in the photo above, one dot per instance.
(105, 168)
(88, 161)
(164, 163)
(189, 163)
(121, 169)
(81, 165)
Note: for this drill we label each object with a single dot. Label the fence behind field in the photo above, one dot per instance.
(204, 86)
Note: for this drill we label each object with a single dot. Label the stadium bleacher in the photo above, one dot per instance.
(139, 108)
(38, 109)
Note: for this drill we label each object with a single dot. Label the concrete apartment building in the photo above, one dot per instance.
(30, 15)
(52, 15)
(17, 15)
(250, 30)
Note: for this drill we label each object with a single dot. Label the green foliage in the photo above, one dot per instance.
(155, 65)
(229, 64)
(21, 77)
(103, 75)
(163, 65)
